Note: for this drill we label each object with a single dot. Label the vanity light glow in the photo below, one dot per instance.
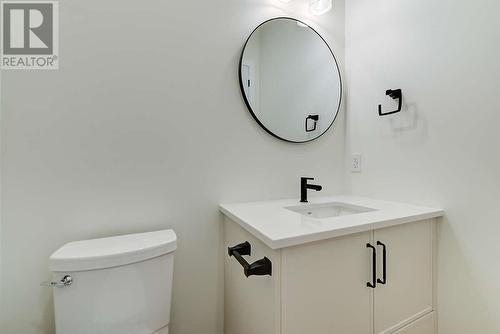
(317, 7)
(320, 7)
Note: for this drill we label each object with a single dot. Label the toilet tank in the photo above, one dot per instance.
(120, 285)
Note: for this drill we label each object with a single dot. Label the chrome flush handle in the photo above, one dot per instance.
(64, 282)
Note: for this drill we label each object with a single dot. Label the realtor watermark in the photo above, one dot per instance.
(30, 35)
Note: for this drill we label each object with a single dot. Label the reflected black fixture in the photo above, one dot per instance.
(395, 94)
(304, 186)
(260, 267)
(314, 119)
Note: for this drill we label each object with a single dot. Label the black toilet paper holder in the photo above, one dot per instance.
(258, 268)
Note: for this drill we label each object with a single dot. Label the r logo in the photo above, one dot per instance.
(29, 29)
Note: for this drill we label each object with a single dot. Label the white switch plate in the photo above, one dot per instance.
(356, 163)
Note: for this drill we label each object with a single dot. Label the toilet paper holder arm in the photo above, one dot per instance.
(258, 268)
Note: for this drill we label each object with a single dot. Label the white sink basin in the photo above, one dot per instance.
(286, 223)
(328, 210)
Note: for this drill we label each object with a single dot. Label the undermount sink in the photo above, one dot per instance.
(328, 210)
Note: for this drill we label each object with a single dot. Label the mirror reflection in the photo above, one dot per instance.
(290, 80)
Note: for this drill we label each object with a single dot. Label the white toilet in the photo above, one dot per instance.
(117, 285)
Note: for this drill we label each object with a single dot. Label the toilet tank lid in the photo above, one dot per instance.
(113, 251)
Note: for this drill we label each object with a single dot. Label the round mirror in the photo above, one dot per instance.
(290, 80)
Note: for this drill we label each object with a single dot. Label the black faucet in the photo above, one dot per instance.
(304, 186)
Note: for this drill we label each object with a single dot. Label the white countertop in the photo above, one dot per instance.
(278, 227)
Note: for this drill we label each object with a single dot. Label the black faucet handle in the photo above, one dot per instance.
(304, 185)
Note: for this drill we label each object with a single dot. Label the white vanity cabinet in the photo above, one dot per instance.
(321, 287)
(408, 292)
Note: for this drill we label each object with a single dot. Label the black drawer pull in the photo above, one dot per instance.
(373, 283)
(258, 268)
(384, 263)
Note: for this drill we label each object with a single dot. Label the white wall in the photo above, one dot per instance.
(143, 128)
(443, 149)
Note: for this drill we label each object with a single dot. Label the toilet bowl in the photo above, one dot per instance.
(117, 285)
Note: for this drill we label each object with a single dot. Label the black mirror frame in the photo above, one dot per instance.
(242, 89)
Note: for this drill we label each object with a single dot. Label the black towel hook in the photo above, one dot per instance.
(395, 94)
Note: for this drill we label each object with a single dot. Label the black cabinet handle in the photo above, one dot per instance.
(384, 263)
(258, 268)
(373, 283)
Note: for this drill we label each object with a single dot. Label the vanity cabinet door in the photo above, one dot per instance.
(407, 292)
(324, 287)
(425, 325)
